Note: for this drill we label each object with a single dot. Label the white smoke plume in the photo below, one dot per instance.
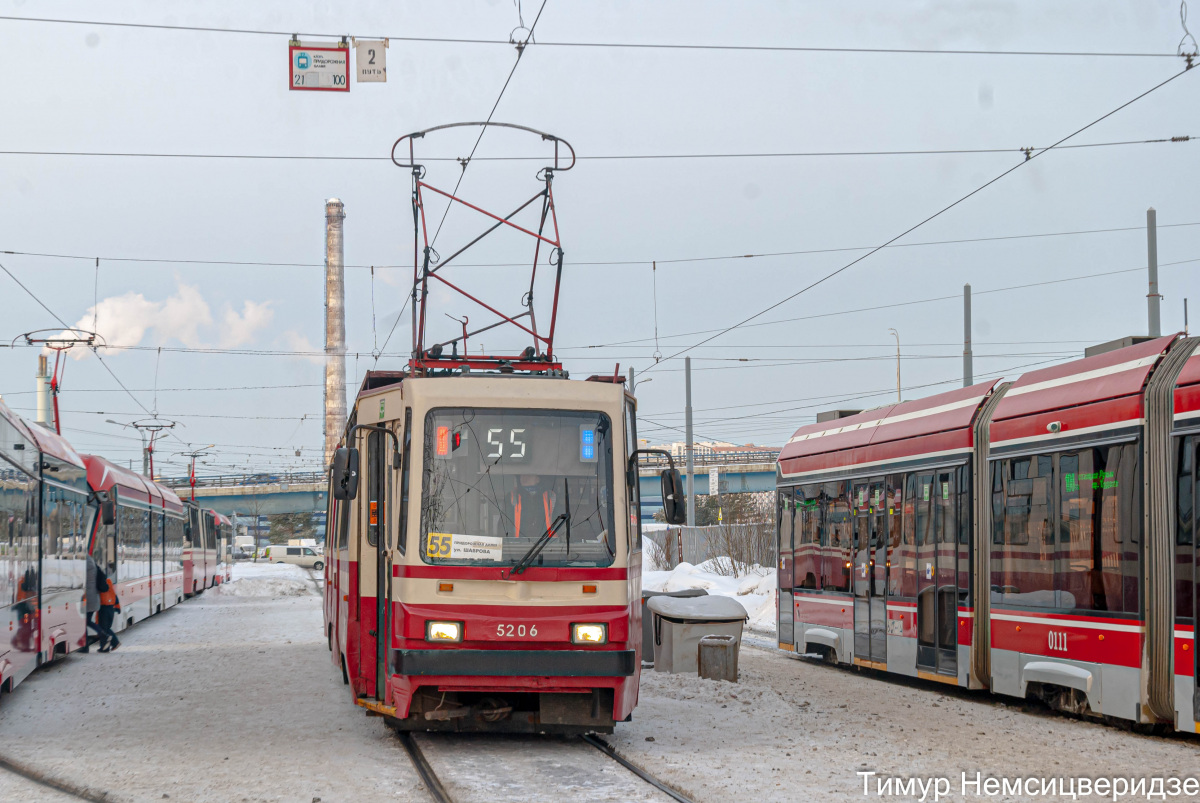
(127, 320)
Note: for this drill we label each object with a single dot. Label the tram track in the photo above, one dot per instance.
(442, 788)
(46, 781)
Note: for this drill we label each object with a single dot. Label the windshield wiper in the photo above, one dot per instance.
(539, 545)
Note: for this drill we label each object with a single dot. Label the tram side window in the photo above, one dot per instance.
(964, 534)
(808, 537)
(375, 485)
(635, 491)
(18, 535)
(839, 534)
(895, 532)
(1097, 562)
(1026, 566)
(404, 475)
(784, 544)
(1185, 522)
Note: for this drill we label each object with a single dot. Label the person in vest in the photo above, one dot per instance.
(109, 607)
(91, 599)
(533, 507)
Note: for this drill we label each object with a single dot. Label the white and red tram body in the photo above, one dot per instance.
(201, 549)
(223, 553)
(44, 520)
(1066, 494)
(429, 612)
(142, 550)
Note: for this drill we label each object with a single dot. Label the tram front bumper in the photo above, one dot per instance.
(515, 663)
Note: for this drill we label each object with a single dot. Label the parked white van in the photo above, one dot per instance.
(304, 556)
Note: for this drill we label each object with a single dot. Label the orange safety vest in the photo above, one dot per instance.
(545, 506)
(109, 595)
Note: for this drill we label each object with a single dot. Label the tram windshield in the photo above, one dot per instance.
(495, 481)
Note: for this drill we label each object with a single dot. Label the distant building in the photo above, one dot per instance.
(678, 449)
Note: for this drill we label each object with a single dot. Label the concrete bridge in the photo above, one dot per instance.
(257, 494)
(305, 492)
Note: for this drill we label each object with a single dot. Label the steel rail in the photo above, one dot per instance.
(57, 784)
(605, 748)
(432, 783)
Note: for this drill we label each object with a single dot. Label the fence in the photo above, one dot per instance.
(732, 548)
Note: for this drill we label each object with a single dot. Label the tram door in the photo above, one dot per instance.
(870, 561)
(377, 540)
(937, 575)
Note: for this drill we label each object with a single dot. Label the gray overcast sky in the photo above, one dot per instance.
(91, 88)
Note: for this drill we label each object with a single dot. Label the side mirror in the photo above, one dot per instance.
(674, 505)
(345, 474)
(108, 512)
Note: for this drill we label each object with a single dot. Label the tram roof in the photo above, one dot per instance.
(48, 441)
(1112, 375)
(103, 475)
(944, 412)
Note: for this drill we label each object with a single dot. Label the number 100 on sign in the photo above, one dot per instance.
(323, 69)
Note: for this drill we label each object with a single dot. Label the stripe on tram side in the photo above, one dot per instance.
(532, 574)
(1117, 642)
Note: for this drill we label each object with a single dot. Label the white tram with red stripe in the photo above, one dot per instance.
(60, 510)
(138, 541)
(1034, 538)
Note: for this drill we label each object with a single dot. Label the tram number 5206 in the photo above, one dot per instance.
(515, 631)
(1057, 641)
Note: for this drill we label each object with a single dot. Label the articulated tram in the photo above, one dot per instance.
(484, 558)
(1034, 538)
(61, 511)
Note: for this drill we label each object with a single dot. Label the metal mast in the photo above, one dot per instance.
(1153, 298)
(335, 327)
(968, 354)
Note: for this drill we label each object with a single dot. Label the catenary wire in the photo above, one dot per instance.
(612, 157)
(596, 263)
(935, 215)
(601, 45)
(483, 130)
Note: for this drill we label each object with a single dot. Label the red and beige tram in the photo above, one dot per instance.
(484, 559)
(1032, 538)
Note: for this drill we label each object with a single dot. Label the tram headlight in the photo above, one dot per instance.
(443, 631)
(589, 634)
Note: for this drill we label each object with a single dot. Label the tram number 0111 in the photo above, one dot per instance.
(1057, 641)
(516, 631)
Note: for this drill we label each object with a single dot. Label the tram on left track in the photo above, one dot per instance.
(61, 510)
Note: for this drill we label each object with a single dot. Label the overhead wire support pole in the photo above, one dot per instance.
(691, 464)
(968, 355)
(1153, 297)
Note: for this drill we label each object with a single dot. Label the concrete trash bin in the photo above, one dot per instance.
(717, 657)
(679, 624)
(648, 618)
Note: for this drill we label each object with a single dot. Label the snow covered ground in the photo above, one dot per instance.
(756, 591)
(232, 697)
(792, 730)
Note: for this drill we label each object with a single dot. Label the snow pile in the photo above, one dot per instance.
(265, 587)
(756, 590)
(267, 580)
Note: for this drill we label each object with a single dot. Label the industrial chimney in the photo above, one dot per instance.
(335, 328)
(43, 392)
